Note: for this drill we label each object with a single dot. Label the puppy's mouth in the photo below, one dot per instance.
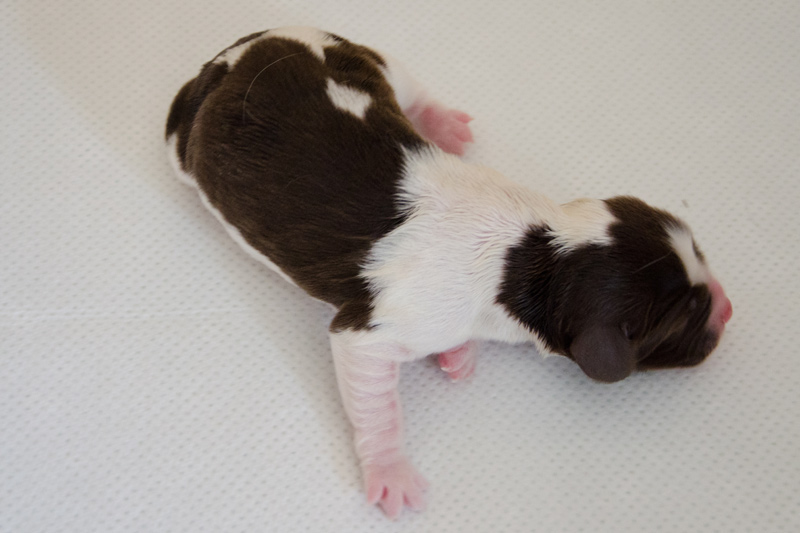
(708, 343)
(684, 349)
(719, 315)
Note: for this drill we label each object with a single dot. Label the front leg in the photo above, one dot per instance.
(368, 375)
(459, 363)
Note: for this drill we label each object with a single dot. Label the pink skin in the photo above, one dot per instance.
(721, 307)
(459, 363)
(394, 485)
(447, 128)
(368, 386)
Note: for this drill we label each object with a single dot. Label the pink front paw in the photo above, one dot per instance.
(393, 485)
(459, 363)
(447, 128)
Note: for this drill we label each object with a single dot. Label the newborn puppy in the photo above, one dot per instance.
(327, 162)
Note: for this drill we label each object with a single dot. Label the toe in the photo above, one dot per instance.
(392, 503)
(462, 132)
(415, 500)
(462, 117)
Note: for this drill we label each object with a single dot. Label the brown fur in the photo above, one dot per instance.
(308, 185)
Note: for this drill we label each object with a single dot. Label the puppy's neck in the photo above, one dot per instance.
(497, 243)
(443, 182)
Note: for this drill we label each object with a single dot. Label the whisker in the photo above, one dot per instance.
(244, 102)
(653, 262)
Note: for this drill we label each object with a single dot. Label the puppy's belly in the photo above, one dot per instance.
(236, 235)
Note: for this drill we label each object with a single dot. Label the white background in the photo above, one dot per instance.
(155, 378)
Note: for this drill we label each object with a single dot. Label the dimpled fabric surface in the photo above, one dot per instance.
(153, 377)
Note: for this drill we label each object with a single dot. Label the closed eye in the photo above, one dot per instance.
(627, 331)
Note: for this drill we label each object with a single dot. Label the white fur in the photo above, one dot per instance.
(584, 221)
(235, 234)
(436, 276)
(172, 154)
(348, 99)
(682, 243)
(316, 40)
(232, 55)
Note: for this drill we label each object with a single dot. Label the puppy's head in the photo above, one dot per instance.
(646, 300)
(642, 299)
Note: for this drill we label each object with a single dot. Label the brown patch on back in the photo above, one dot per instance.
(309, 186)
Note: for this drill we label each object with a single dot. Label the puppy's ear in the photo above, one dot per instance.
(604, 353)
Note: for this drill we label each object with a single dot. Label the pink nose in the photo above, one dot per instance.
(721, 307)
(727, 311)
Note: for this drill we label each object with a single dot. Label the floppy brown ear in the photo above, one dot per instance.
(604, 353)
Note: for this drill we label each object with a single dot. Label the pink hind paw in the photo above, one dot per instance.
(394, 485)
(459, 363)
(447, 128)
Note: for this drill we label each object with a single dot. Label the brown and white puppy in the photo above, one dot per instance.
(326, 161)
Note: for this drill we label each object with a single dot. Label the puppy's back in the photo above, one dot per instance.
(295, 138)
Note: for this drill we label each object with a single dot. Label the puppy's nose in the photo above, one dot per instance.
(727, 311)
(721, 307)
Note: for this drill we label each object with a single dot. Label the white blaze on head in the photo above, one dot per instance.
(349, 99)
(683, 244)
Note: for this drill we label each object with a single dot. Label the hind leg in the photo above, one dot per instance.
(447, 128)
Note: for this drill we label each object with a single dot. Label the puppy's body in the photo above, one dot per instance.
(310, 150)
